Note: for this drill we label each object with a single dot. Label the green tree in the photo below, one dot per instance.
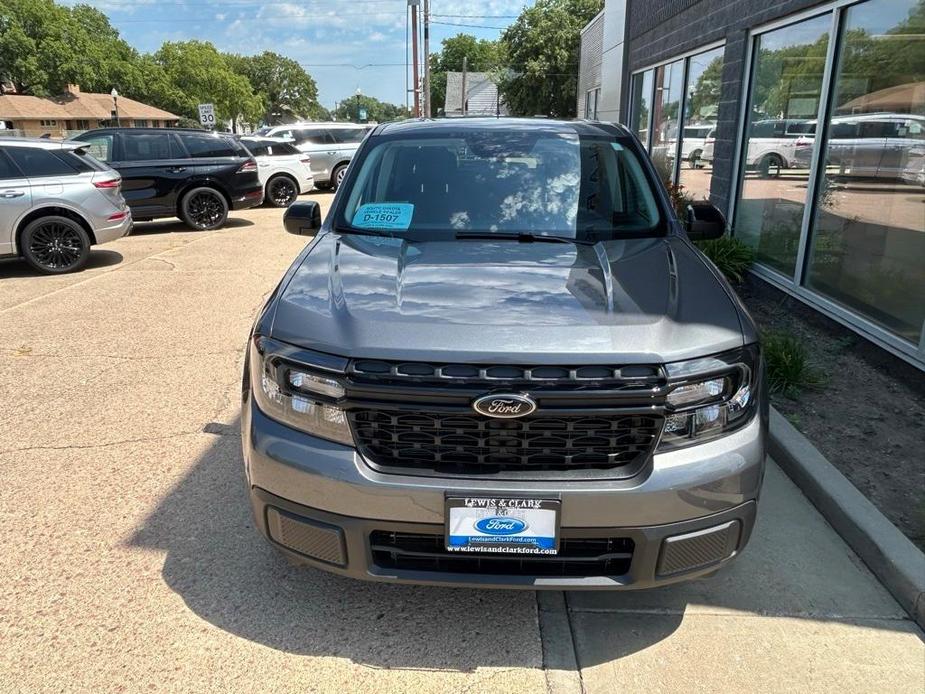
(541, 52)
(378, 111)
(482, 55)
(283, 86)
(42, 47)
(201, 74)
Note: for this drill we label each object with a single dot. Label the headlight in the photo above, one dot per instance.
(298, 395)
(710, 397)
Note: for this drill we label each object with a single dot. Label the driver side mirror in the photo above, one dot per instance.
(704, 221)
(303, 218)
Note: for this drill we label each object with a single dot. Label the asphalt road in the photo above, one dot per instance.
(129, 561)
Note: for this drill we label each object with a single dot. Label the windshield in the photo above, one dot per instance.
(506, 182)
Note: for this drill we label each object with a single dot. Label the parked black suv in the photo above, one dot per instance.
(191, 174)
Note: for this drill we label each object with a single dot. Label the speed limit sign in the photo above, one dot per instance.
(207, 115)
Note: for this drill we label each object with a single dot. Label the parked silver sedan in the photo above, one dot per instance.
(55, 202)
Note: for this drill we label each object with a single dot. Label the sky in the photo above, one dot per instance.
(343, 44)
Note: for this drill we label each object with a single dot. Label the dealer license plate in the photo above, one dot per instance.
(502, 525)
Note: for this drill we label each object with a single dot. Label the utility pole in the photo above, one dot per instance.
(414, 51)
(427, 58)
(464, 100)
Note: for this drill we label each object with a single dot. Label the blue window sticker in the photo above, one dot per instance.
(385, 215)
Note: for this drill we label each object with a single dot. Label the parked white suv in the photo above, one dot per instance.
(284, 171)
(330, 145)
(55, 202)
(772, 145)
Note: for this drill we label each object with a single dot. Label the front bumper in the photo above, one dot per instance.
(329, 486)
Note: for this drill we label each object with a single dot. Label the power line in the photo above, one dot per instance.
(470, 26)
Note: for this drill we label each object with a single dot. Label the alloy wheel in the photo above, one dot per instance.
(56, 246)
(282, 192)
(205, 209)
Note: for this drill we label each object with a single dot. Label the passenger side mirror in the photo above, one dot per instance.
(704, 221)
(303, 218)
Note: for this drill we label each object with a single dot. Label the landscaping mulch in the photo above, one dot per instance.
(868, 415)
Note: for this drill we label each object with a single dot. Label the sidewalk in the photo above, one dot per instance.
(797, 612)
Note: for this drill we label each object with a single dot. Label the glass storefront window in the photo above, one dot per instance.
(698, 129)
(867, 248)
(666, 109)
(786, 87)
(642, 105)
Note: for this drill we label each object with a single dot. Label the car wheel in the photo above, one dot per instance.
(55, 245)
(693, 160)
(203, 209)
(282, 191)
(326, 185)
(770, 166)
(338, 175)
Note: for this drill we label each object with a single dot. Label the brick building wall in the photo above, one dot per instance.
(589, 69)
(659, 31)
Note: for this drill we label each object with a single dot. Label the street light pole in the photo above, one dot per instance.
(358, 104)
(426, 88)
(115, 103)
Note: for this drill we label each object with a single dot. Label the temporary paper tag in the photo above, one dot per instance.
(386, 215)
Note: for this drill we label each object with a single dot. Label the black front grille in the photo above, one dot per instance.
(577, 557)
(467, 443)
(630, 377)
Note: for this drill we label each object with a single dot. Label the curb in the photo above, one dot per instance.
(889, 554)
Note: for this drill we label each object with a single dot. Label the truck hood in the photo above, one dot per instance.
(627, 301)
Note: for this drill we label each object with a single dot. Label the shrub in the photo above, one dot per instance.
(789, 370)
(731, 256)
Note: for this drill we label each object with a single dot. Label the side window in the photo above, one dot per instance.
(347, 135)
(145, 147)
(914, 130)
(257, 149)
(284, 149)
(283, 134)
(206, 146)
(844, 131)
(99, 146)
(36, 163)
(875, 129)
(7, 170)
(312, 136)
(763, 128)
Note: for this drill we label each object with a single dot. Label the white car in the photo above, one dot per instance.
(772, 145)
(330, 145)
(284, 171)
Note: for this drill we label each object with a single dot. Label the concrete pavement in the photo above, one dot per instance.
(129, 561)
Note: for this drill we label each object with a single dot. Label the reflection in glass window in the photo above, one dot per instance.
(665, 112)
(642, 105)
(868, 246)
(704, 74)
(786, 88)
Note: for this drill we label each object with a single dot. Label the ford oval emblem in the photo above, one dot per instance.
(504, 405)
(501, 525)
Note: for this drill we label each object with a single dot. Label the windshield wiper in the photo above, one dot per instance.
(364, 232)
(525, 238)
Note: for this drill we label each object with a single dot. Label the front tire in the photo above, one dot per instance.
(281, 191)
(204, 209)
(55, 245)
(770, 166)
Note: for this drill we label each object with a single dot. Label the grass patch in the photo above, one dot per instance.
(731, 256)
(789, 370)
